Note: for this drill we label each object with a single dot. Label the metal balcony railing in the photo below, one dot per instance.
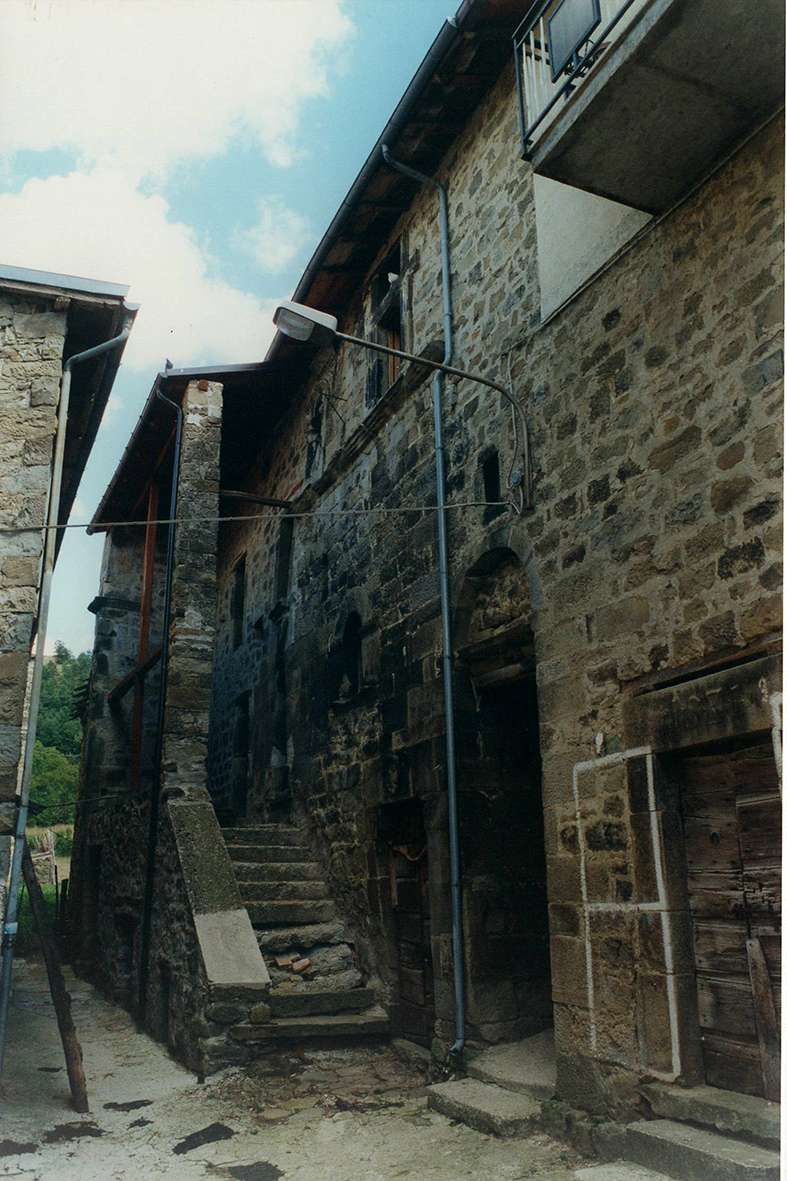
(556, 46)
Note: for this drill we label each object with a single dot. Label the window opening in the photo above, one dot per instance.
(491, 474)
(238, 601)
(387, 320)
(284, 558)
(351, 653)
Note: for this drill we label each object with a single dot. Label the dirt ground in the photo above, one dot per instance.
(322, 1115)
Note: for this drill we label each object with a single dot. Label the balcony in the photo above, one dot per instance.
(641, 97)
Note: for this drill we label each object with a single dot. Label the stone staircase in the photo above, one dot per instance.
(317, 990)
(692, 1133)
(700, 1134)
(505, 1085)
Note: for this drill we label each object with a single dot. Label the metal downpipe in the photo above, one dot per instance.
(155, 791)
(10, 925)
(457, 926)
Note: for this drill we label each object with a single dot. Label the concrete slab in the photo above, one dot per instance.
(694, 1154)
(486, 1108)
(229, 948)
(726, 1110)
(527, 1067)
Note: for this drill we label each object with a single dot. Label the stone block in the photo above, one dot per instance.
(622, 618)
(226, 1013)
(45, 391)
(485, 1107)
(697, 1154)
(569, 970)
(651, 936)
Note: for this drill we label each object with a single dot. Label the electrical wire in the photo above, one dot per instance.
(275, 515)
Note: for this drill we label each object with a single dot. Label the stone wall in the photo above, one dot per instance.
(654, 404)
(32, 336)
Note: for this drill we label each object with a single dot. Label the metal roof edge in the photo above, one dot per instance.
(61, 282)
(197, 373)
(465, 20)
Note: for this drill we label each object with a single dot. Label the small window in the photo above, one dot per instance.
(238, 601)
(351, 655)
(387, 323)
(491, 474)
(284, 559)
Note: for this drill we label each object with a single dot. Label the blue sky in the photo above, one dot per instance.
(223, 138)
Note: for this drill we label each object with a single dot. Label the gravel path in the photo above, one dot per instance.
(338, 1115)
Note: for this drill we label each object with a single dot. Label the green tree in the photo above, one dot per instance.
(56, 727)
(53, 784)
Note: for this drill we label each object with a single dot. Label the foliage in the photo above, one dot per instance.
(53, 786)
(64, 843)
(61, 676)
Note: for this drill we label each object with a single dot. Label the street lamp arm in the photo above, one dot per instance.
(449, 369)
(516, 406)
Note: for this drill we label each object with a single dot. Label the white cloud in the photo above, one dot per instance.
(278, 237)
(133, 87)
(146, 83)
(99, 224)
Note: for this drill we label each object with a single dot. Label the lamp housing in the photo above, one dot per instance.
(305, 325)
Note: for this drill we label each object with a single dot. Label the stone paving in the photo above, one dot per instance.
(356, 1114)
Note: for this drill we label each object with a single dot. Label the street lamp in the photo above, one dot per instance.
(310, 326)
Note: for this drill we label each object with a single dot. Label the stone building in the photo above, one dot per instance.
(45, 319)
(616, 646)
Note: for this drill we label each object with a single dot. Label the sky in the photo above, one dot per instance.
(195, 150)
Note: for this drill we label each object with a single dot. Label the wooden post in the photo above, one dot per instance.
(57, 986)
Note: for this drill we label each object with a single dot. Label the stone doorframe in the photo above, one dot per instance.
(737, 702)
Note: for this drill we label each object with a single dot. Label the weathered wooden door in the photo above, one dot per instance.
(410, 900)
(732, 824)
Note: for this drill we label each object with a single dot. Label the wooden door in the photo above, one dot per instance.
(732, 825)
(410, 900)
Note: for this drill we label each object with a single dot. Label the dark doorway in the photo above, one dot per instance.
(509, 982)
(731, 807)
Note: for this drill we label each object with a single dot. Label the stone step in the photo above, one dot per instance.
(695, 1154)
(276, 941)
(618, 1171)
(484, 1107)
(372, 1023)
(266, 854)
(741, 1115)
(278, 913)
(281, 891)
(266, 834)
(291, 1002)
(527, 1066)
(276, 871)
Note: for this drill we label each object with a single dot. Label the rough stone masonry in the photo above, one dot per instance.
(606, 643)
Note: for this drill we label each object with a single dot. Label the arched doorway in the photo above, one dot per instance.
(501, 811)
